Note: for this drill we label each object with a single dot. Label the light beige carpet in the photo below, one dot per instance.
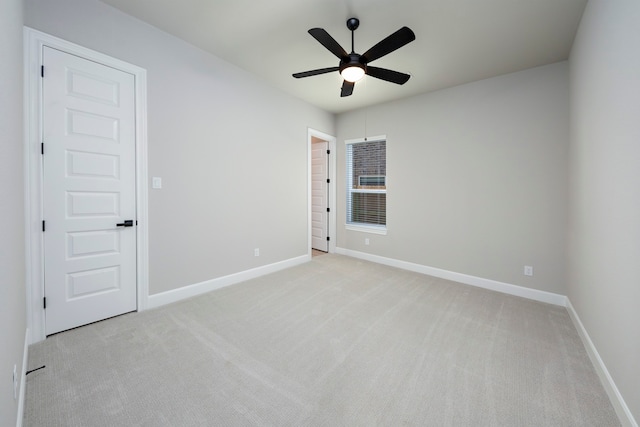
(334, 342)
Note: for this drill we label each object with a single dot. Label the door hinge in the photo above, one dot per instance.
(328, 151)
(328, 209)
(328, 181)
(328, 238)
(43, 228)
(44, 303)
(42, 148)
(42, 71)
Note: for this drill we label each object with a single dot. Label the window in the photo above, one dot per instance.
(372, 180)
(367, 184)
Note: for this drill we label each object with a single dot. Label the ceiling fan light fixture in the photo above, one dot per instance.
(352, 73)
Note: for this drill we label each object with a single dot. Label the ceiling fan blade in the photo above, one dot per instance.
(315, 72)
(388, 75)
(347, 88)
(329, 42)
(395, 41)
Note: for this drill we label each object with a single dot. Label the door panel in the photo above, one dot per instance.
(319, 198)
(88, 188)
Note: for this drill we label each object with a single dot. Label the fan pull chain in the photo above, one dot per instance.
(365, 123)
(365, 111)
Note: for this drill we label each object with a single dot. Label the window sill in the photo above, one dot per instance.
(367, 229)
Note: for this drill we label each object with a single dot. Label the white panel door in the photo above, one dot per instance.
(319, 196)
(88, 189)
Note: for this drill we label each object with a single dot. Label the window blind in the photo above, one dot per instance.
(366, 182)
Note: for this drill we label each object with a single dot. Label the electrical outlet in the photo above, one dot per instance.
(256, 252)
(15, 382)
(366, 241)
(528, 270)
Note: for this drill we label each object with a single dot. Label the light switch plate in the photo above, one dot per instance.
(156, 182)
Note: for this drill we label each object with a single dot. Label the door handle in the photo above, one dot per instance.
(127, 223)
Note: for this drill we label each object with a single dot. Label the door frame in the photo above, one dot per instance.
(34, 42)
(331, 229)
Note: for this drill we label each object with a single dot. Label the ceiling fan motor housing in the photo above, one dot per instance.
(354, 61)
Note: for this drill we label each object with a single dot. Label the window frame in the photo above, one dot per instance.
(358, 226)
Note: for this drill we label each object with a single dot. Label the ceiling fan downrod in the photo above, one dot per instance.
(352, 25)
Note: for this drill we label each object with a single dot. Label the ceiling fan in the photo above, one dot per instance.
(353, 66)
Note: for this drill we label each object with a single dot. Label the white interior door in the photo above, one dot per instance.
(88, 191)
(319, 196)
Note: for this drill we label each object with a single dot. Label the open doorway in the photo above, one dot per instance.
(321, 148)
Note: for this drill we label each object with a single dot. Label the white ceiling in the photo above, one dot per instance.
(457, 41)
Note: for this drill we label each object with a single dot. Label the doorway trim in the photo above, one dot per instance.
(34, 41)
(332, 229)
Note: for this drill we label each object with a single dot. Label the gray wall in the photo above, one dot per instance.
(12, 251)
(477, 177)
(604, 246)
(231, 151)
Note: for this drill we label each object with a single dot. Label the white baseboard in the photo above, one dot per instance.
(533, 294)
(189, 291)
(23, 378)
(620, 406)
